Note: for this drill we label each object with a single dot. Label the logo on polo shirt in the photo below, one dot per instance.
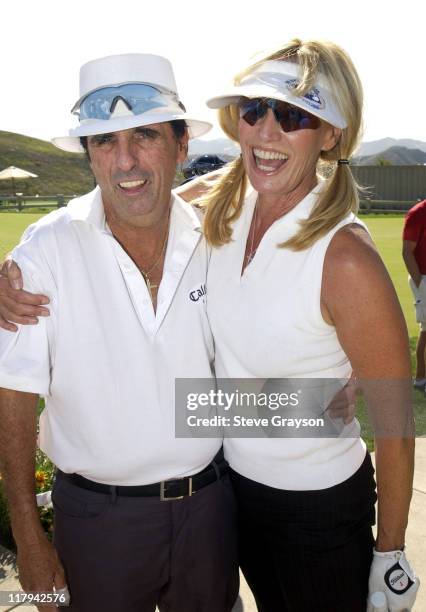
(198, 293)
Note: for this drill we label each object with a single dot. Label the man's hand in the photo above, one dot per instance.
(16, 304)
(40, 570)
(343, 404)
(392, 575)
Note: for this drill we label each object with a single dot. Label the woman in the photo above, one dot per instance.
(296, 290)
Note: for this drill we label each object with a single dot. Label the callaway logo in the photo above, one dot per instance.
(312, 97)
(397, 579)
(197, 293)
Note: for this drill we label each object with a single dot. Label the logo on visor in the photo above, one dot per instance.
(312, 97)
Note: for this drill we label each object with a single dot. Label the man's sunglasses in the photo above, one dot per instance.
(291, 118)
(138, 98)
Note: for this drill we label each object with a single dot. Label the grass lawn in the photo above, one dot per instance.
(11, 227)
(387, 234)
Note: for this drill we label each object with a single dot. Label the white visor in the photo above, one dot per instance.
(277, 79)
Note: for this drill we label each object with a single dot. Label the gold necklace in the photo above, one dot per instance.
(146, 275)
(252, 252)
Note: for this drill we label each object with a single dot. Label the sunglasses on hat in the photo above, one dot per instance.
(137, 97)
(291, 118)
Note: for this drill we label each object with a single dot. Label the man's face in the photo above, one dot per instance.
(135, 169)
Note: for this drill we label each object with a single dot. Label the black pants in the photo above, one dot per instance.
(129, 554)
(305, 551)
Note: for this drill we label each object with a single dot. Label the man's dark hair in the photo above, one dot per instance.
(83, 142)
(179, 126)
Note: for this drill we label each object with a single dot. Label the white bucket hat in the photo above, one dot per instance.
(121, 71)
(277, 79)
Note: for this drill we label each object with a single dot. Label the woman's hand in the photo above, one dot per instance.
(191, 190)
(343, 404)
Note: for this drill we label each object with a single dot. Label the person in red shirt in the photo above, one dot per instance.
(414, 254)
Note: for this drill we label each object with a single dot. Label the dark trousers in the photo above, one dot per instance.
(130, 554)
(305, 551)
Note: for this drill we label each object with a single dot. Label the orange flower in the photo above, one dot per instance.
(40, 477)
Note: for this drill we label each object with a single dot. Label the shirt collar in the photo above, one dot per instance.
(288, 224)
(186, 213)
(89, 209)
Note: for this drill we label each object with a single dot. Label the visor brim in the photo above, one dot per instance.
(233, 95)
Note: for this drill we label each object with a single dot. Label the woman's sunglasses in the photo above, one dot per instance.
(291, 118)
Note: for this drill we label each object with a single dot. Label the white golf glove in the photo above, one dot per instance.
(392, 575)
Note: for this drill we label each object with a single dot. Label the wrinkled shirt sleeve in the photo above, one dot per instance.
(26, 356)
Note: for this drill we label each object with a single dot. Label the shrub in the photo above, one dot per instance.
(44, 476)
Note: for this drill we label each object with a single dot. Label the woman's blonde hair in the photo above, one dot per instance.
(339, 196)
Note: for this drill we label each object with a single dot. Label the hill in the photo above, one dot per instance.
(58, 171)
(395, 156)
(371, 152)
(227, 148)
(69, 173)
(378, 146)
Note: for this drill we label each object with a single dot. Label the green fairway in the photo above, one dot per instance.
(387, 234)
(11, 227)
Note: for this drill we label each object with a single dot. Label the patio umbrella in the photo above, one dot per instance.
(12, 172)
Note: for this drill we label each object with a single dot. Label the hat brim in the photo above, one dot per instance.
(71, 143)
(233, 95)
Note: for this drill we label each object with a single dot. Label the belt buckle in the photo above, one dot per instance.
(163, 491)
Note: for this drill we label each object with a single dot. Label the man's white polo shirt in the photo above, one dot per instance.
(104, 361)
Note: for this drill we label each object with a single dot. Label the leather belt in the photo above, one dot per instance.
(166, 490)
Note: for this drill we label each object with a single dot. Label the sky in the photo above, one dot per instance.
(44, 43)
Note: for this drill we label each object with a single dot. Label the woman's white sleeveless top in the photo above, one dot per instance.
(267, 323)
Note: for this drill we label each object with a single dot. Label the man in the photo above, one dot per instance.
(414, 254)
(118, 265)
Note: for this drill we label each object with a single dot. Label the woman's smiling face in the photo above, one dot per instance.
(283, 163)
